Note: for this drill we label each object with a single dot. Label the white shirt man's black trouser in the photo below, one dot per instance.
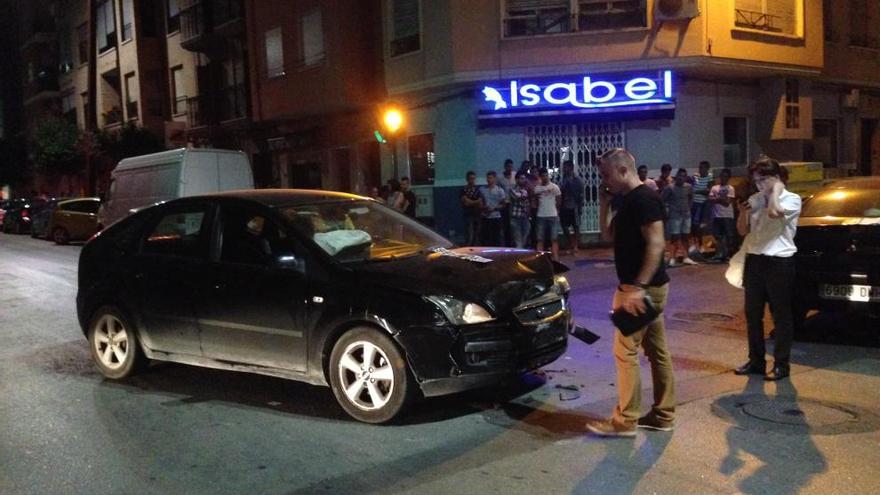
(769, 279)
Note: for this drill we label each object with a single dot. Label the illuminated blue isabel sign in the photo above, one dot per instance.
(586, 94)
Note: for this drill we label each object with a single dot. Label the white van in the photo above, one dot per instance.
(144, 180)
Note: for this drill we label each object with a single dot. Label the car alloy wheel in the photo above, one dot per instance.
(366, 375)
(114, 344)
(60, 236)
(369, 376)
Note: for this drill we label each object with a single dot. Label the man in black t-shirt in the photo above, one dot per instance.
(410, 197)
(637, 232)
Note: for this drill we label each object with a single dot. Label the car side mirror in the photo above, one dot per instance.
(291, 262)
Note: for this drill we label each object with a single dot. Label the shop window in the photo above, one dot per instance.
(421, 159)
(823, 146)
(539, 17)
(770, 16)
(312, 41)
(405, 27)
(105, 26)
(274, 53)
(736, 141)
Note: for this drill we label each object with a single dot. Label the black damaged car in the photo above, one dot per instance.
(326, 288)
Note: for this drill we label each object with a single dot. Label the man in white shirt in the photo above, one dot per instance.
(547, 220)
(769, 219)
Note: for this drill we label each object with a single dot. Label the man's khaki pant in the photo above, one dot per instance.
(629, 382)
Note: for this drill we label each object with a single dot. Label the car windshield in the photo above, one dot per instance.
(354, 231)
(841, 202)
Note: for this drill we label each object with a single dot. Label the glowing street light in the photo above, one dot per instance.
(392, 122)
(392, 119)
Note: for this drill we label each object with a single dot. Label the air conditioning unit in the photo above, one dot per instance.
(675, 10)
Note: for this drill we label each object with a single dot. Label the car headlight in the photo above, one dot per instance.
(561, 285)
(460, 312)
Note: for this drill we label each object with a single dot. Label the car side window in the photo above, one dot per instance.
(251, 238)
(81, 207)
(90, 206)
(181, 233)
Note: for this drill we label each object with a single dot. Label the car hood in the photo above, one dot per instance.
(830, 221)
(500, 278)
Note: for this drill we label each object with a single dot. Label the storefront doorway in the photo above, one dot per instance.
(549, 145)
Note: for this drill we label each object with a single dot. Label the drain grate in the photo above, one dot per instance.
(686, 316)
(805, 413)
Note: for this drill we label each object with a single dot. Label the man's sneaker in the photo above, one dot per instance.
(650, 422)
(673, 262)
(608, 428)
(688, 261)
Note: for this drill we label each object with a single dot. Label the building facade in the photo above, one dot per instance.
(317, 84)
(547, 80)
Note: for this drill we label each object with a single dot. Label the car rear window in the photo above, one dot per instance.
(844, 203)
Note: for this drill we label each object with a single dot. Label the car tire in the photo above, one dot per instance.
(369, 376)
(114, 344)
(60, 235)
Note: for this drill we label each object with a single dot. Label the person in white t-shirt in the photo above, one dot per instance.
(722, 196)
(769, 219)
(547, 219)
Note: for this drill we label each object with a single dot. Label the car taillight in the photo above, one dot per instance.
(24, 213)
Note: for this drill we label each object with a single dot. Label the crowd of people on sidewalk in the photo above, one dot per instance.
(523, 208)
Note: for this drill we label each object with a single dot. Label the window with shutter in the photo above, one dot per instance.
(543, 17)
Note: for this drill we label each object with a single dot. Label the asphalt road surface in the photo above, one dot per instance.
(177, 429)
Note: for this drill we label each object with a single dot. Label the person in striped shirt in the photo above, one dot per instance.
(702, 183)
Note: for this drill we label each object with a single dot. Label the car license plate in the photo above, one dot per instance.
(862, 293)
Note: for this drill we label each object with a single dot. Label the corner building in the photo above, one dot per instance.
(545, 80)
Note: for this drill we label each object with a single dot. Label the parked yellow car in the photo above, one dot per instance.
(74, 220)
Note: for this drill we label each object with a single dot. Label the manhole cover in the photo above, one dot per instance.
(806, 413)
(703, 316)
(792, 415)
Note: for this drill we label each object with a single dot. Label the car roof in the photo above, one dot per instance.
(855, 183)
(285, 197)
(74, 200)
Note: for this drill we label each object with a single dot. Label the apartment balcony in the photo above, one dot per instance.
(227, 105)
(205, 25)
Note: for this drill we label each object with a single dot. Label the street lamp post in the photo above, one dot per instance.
(392, 121)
